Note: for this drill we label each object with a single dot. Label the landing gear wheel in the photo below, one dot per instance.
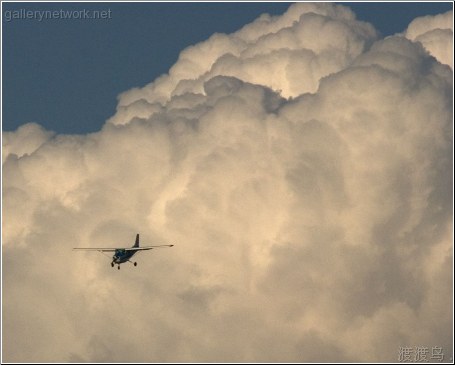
(118, 267)
(112, 264)
(135, 264)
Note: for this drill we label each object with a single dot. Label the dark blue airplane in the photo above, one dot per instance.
(122, 255)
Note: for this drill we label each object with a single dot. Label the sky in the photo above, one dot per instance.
(66, 74)
(300, 163)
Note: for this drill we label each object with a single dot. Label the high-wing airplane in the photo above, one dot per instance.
(122, 255)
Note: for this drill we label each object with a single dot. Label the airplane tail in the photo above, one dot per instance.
(136, 243)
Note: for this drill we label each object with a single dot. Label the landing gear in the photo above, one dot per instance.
(135, 264)
(112, 264)
(118, 267)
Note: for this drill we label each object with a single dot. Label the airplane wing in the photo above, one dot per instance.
(95, 249)
(145, 247)
(122, 248)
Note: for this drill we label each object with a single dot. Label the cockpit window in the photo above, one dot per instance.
(119, 252)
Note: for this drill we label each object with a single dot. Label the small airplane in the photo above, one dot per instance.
(122, 255)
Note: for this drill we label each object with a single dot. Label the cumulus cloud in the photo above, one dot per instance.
(436, 35)
(305, 181)
(288, 53)
(26, 140)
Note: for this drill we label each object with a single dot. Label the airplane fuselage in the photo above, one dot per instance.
(121, 256)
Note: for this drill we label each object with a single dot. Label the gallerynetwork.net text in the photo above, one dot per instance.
(61, 14)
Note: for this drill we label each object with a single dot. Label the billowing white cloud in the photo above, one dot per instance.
(26, 140)
(436, 35)
(289, 54)
(306, 183)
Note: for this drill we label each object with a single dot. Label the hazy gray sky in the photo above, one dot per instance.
(302, 166)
